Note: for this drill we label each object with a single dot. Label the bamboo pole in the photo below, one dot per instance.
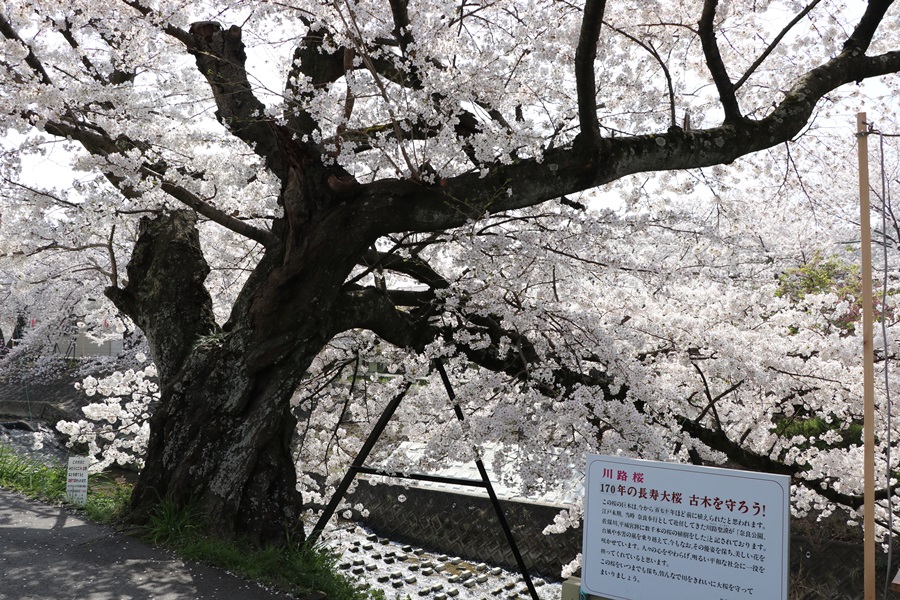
(868, 361)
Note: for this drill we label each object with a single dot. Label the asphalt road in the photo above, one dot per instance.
(48, 553)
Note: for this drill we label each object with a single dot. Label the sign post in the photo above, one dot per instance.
(661, 530)
(77, 480)
(868, 362)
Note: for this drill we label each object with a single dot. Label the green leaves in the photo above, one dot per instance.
(818, 276)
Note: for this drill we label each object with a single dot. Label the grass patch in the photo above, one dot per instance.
(31, 477)
(299, 569)
(173, 526)
(107, 498)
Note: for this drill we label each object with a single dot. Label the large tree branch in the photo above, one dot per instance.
(170, 305)
(397, 205)
(66, 32)
(373, 309)
(214, 214)
(586, 85)
(508, 352)
(715, 63)
(221, 59)
(315, 64)
(312, 62)
(402, 30)
(518, 366)
(363, 139)
(415, 268)
(320, 67)
(100, 144)
(176, 32)
(865, 30)
(9, 32)
(719, 440)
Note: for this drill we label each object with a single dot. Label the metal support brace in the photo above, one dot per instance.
(358, 466)
(358, 463)
(490, 488)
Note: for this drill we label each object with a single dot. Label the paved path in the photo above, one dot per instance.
(48, 553)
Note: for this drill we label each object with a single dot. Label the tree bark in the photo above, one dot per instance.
(221, 441)
(220, 437)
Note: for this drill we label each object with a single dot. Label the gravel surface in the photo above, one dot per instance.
(403, 571)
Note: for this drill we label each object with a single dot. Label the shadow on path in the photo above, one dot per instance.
(47, 553)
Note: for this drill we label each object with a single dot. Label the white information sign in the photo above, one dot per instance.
(661, 530)
(77, 480)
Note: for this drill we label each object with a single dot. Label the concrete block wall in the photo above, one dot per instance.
(466, 526)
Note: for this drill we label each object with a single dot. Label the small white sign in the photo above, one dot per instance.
(77, 480)
(661, 530)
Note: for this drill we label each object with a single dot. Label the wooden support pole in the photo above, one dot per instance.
(868, 361)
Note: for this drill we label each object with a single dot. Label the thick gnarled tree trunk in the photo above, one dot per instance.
(220, 437)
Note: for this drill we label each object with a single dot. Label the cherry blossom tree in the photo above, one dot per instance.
(274, 191)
